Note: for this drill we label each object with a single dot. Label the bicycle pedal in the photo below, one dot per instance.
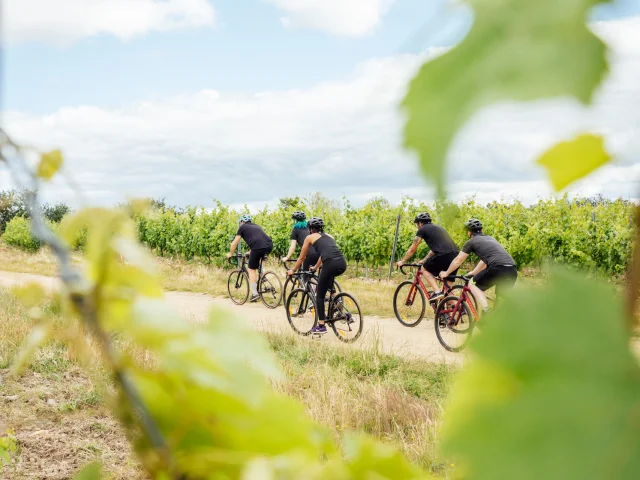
(317, 335)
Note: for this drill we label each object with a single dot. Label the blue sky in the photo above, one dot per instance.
(248, 50)
(131, 111)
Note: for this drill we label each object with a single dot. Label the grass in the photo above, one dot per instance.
(57, 411)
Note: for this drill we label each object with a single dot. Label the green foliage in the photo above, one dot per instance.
(12, 204)
(561, 230)
(572, 160)
(8, 446)
(18, 233)
(554, 390)
(517, 50)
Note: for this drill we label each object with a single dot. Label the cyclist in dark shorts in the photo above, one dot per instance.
(496, 267)
(260, 245)
(442, 250)
(331, 259)
(298, 235)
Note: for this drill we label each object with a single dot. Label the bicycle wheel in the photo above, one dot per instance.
(301, 311)
(409, 304)
(453, 323)
(270, 289)
(290, 284)
(456, 291)
(238, 287)
(345, 318)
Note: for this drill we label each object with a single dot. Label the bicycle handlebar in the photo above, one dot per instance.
(410, 265)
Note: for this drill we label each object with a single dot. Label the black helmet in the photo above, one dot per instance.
(316, 223)
(474, 225)
(299, 216)
(423, 217)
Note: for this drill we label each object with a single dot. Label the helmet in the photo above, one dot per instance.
(316, 223)
(299, 216)
(473, 225)
(423, 217)
(246, 219)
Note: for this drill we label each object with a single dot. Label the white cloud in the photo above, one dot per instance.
(65, 21)
(351, 18)
(340, 138)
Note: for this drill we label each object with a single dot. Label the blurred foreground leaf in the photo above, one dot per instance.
(49, 164)
(93, 471)
(554, 392)
(569, 161)
(517, 50)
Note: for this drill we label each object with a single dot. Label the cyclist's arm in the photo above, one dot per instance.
(481, 266)
(412, 249)
(234, 244)
(303, 253)
(429, 255)
(318, 264)
(292, 249)
(459, 260)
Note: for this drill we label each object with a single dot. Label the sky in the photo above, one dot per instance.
(247, 101)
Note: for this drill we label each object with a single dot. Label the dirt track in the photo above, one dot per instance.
(387, 332)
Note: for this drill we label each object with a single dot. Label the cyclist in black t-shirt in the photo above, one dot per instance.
(298, 235)
(442, 250)
(260, 245)
(496, 267)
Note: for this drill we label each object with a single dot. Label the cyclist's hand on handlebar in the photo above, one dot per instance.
(443, 275)
(313, 268)
(285, 259)
(229, 255)
(399, 264)
(290, 272)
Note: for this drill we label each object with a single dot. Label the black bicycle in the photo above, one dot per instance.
(296, 281)
(269, 285)
(344, 314)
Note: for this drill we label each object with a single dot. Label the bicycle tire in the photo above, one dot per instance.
(350, 317)
(465, 333)
(304, 301)
(240, 286)
(421, 310)
(270, 287)
(290, 284)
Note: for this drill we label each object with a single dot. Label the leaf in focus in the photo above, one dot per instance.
(93, 471)
(36, 338)
(49, 164)
(517, 50)
(554, 390)
(569, 161)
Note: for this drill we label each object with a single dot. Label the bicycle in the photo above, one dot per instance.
(344, 314)
(417, 296)
(457, 315)
(294, 282)
(269, 285)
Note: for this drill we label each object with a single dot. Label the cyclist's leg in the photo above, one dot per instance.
(255, 257)
(325, 280)
(480, 283)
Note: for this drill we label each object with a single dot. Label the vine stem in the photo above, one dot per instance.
(633, 276)
(80, 294)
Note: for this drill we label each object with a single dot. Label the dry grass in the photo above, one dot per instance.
(60, 421)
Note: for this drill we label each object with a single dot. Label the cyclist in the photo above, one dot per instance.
(331, 259)
(260, 245)
(496, 267)
(298, 235)
(442, 251)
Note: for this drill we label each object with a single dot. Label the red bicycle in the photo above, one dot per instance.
(455, 317)
(411, 296)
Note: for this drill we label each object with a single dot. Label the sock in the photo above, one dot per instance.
(254, 289)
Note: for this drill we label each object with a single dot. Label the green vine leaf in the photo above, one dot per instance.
(50, 163)
(515, 51)
(554, 391)
(569, 161)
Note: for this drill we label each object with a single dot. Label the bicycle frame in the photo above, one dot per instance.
(242, 266)
(464, 298)
(417, 282)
